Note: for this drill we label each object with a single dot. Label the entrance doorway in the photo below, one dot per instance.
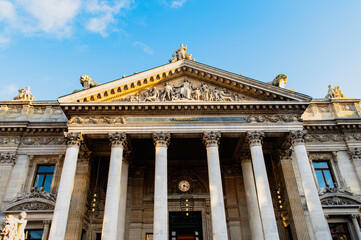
(183, 227)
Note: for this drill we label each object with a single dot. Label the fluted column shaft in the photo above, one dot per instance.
(254, 217)
(111, 209)
(123, 199)
(160, 222)
(61, 211)
(319, 223)
(219, 224)
(356, 226)
(263, 191)
(46, 224)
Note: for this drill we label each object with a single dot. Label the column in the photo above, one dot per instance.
(123, 197)
(219, 224)
(160, 222)
(356, 225)
(254, 217)
(61, 211)
(46, 224)
(263, 191)
(17, 177)
(319, 223)
(295, 203)
(111, 209)
(79, 198)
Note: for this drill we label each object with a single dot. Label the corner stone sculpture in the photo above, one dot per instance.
(24, 95)
(14, 228)
(87, 82)
(279, 81)
(334, 92)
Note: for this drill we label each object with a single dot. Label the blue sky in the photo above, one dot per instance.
(49, 44)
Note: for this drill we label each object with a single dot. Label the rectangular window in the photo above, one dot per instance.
(44, 177)
(339, 231)
(34, 234)
(323, 173)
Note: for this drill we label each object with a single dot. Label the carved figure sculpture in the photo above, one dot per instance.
(280, 81)
(25, 95)
(87, 82)
(186, 90)
(14, 227)
(334, 92)
(181, 53)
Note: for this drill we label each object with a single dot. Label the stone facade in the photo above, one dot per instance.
(182, 150)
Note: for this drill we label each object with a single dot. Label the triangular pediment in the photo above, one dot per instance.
(184, 80)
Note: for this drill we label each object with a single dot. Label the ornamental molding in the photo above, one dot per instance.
(84, 156)
(9, 140)
(285, 154)
(43, 140)
(353, 136)
(211, 138)
(35, 199)
(339, 199)
(44, 160)
(161, 138)
(97, 120)
(8, 158)
(320, 156)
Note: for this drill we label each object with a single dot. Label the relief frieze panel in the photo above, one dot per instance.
(9, 140)
(185, 90)
(43, 140)
(324, 138)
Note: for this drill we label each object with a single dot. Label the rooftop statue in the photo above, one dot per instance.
(334, 92)
(280, 81)
(25, 95)
(14, 228)
(87, 82)
(181, 53)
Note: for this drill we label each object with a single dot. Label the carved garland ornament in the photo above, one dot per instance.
(324, 138)
(184, 91)
(355, 153)
(43, 141)
(96, 120)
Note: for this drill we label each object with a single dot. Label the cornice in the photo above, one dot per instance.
(149, 78)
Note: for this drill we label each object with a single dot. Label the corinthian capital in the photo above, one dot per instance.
(355, 153)
(7, 158)
(118, 139)
(298, 137)
(211, 138)
(161, 138)
(284, 154)
(255, 138)
(73, 139)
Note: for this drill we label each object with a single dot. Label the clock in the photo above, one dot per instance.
(184, 186)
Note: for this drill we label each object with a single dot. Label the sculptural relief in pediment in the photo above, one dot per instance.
(185, 89)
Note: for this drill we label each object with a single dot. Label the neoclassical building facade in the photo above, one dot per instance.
(182, 151)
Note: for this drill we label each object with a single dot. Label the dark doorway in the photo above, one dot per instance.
(183, 227)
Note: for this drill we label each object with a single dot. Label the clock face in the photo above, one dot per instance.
(184, 186)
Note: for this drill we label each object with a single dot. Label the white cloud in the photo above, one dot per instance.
(144, 47)
(58, 18)
(105, 14)
(51, 16)
(177, 3)
(9, 91)
(7, 11)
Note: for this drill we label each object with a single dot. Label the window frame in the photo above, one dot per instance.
(45, 174)
(330, 169)
(35, 229)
